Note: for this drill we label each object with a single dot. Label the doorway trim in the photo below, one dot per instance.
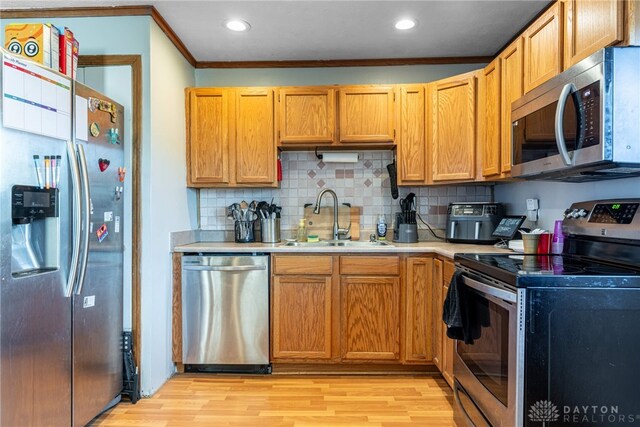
(135, 61)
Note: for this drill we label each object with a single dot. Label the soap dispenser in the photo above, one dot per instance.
(301, 236)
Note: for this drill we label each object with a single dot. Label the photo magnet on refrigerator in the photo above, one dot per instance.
(102, 232)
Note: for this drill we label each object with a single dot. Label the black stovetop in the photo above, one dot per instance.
(551, 270)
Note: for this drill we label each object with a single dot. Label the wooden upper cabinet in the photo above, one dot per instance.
(208, 136)
(306, 115)
(489, 138)
(511, 74)
(590, 25)
(418, 344)
(543, 48)
(301, 317)
(366, 114)
(411, 146)
(370, 321)
(453, 127)
(255, 143)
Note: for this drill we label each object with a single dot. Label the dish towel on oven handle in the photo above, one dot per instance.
(463, 318)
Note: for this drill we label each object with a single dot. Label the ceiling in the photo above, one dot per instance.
(333, 30)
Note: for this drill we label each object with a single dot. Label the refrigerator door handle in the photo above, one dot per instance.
(76, 215)
(86, 216)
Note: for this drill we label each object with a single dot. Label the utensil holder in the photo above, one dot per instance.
(270, 230)
(530, 242)
(244, 231)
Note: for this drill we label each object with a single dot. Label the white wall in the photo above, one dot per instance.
(167, 204)
(555, 197)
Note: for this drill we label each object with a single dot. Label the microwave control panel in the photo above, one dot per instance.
(588, 104)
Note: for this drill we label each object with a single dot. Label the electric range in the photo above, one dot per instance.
(555, 338)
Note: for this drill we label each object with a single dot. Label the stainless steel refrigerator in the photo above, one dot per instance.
(61, 248)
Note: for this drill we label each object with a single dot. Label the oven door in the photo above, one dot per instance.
(487, 368)
(562, 128)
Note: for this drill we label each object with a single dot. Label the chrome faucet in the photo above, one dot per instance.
(337, 231)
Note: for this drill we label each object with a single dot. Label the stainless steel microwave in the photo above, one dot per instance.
(583, 124)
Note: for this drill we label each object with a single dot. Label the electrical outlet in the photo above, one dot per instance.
(532, 210)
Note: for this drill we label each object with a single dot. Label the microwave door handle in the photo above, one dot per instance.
(560, 142)
(76, 217)
(452, 230)
(477, 231)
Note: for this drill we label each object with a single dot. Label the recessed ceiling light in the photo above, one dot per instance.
(237, 25)
(405, 24)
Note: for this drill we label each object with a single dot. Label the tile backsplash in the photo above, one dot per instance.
(365, 183)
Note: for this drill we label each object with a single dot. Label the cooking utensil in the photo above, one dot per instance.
(393, 178)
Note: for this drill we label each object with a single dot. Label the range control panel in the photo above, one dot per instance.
(604, 218)
(613, 213)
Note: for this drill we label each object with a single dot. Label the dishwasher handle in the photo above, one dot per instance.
(232, 268)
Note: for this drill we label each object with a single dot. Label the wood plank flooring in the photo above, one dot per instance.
(290, 400)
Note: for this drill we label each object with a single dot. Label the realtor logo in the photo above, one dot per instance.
(543, 411)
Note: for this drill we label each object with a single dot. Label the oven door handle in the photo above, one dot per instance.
(456, 394)
(490, 290)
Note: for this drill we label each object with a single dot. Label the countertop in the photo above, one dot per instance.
(440, 248)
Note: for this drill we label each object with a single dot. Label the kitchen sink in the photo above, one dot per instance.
(341, 243)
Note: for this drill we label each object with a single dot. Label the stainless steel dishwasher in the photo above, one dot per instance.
(225, 313)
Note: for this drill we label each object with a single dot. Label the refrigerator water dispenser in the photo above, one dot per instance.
(35, 232)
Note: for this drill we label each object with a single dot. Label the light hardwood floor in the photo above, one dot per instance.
(290, 400)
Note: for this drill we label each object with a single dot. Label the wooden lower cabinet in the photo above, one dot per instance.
(438, 325)
(448, 344)
(418, 317)
(356, 310)
(443, 347)
(301, 317)
(370, 318)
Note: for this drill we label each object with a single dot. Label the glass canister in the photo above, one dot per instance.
(244, 231)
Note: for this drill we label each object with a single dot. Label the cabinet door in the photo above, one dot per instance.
(412, 150)
(438, 325)
(367, 114)
(453, 127)
(448, 345)
(418, 314)
(306, 115)
(589, 26)
(255, 154)
(511, 90)
(543, 48)
(490, 105)
(208, 136)
(301, 317)
(370, 321)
